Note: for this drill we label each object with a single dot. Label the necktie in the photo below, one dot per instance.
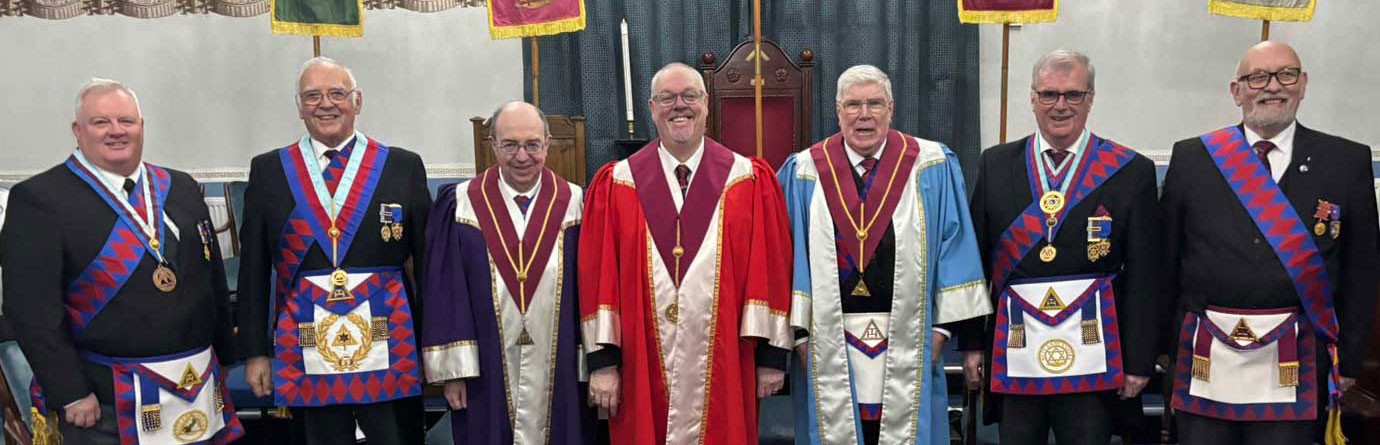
(335, 168)
(683, 178)
(1058, 156)
(869, 164)
(1262, 148)
(129, 188)
(522, 202)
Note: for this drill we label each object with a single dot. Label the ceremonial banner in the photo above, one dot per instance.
(1279, 10)
(330, 18)
(1009, 11)
(509, 19)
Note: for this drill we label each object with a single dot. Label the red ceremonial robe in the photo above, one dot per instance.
(686, 325)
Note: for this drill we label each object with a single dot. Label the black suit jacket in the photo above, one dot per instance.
(269, 202)
(1217, 256)
(55, 226)
(1003, 192)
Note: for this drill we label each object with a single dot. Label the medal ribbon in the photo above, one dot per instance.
(1051, 179)
(152, 224)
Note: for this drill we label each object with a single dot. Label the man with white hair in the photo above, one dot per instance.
(1276, 294)
(884, 253)
(1069, 234)
(331, 223)
(117, 290)
(684, 281)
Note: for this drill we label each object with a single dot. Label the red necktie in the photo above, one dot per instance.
(1262, 148)
(683, 178)
(868, 164)
(1058, 156)
(522, 201)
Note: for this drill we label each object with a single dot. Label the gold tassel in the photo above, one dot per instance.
(45, 432)
(1017, 337)
(1333, 435)
(1202, 367)
(282, 412)
(1288, 374)
(1090, 335)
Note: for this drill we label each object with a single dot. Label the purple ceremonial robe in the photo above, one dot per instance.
(518, 391)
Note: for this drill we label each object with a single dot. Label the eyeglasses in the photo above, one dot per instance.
(691, 97)
(1258, 80)
(856, 106)
(1070, 97)
(509, 148)
(336, 95)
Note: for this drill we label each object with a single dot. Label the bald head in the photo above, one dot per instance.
(1268, 50)
(520, 139)
(678, 68)
(518, 112)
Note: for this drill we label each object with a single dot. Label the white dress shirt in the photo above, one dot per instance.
(1283, 153)
(321, 148)
(515, 213)
(668, 168)
(1046, 147)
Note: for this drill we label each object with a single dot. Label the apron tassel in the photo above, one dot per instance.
(45, 431)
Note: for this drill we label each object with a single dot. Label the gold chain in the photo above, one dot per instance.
(524, 262)
(861, 227)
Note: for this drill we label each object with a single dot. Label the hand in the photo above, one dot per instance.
(84, 412)
(1347, 383)
(258, 373)
(800, 352)
(937, 347)
(769, 381)
(1134, 384)
(455, 394)
(972, 369)
(603, 389)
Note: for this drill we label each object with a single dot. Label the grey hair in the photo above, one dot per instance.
(699, 78)
(1062, 60)
(99, 85)
(491, 125)
(860, 75)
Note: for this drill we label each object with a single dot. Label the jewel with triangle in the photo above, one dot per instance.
(1052, 302)
(190, 379)
(861, 289)
(343, 338)
(1242, 332)
(525, 339)
(872, 332)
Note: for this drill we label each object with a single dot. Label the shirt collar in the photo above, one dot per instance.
(1284, 141)
(509, 192)
(117, 180)
(854, 158)
(669, 161)
(321, 147)
(1045, 145)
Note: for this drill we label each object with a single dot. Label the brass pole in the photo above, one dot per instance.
(536, 73)
(1264, 30)
(316, 46)
(1005, 68)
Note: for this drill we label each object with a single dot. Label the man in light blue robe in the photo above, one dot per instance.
(885, 254)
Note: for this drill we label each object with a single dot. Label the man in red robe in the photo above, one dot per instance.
(684, 281)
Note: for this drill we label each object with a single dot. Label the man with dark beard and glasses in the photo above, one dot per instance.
(1275, 292)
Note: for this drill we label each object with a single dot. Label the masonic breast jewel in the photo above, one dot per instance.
(1327, 212)
(390, 222)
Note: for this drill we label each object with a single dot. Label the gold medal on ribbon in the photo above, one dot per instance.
(1052, 202)
(164, 279)
(1320, 228)
(386, 234)
(1048, 253)
(397, 231)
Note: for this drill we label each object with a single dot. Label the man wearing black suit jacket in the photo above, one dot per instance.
(1072, 374)
(93, 282)
(331, 223)
(1313, 194)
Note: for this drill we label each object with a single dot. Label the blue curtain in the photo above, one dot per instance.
(931, 58)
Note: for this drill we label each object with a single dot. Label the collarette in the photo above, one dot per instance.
(1045, 145)
(1284, 141)
(854, 158)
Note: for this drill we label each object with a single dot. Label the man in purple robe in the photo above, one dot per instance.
(501, 329)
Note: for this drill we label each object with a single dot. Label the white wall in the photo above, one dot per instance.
(1163, 68)
(217, 90)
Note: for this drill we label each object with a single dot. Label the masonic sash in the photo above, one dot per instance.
(1100, 160)
(1282, 227)
(130, 238)
(1057, 335)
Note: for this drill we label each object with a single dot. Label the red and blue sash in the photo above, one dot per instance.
(101, 280)
(309, 221)
(1102, 160)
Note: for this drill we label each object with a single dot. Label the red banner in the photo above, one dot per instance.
(1007, 11)
(510, 19)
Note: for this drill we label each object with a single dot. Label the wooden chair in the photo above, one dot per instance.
(566, 156)
(787, 100)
